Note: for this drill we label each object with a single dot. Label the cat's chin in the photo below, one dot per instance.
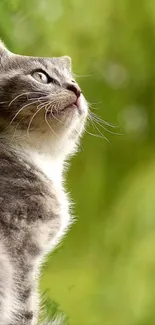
(56, 134)
(68, 110)
(75, 109)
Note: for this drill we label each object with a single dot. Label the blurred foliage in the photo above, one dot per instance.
(104, 271)
(51, 311)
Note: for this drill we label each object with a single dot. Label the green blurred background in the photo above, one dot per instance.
(103, 273)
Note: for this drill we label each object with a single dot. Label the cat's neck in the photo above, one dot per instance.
(50, 166)
(42, 157)
(45, 153)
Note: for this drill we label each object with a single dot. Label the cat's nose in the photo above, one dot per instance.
(73, 87)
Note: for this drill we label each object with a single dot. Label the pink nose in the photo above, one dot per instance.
(74, 88)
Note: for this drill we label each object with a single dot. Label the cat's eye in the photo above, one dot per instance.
(40, 77)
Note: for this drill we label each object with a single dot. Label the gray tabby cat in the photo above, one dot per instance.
(42, 116)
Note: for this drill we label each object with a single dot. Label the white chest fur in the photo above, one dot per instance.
(53, 171)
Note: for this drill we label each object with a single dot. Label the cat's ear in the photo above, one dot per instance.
(67, 62)
(3, 49)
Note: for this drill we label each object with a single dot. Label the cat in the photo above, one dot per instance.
(42, 117)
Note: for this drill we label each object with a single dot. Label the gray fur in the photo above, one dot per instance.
(35, 128)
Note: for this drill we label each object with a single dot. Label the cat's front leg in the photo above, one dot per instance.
(26, 307)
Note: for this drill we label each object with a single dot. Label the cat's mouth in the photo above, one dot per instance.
(73, 105)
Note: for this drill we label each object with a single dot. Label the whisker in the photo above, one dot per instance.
(16, 98)
(102, 135)
(6, 101)
(96, 117)
(29, 125)
(20, 111)
(16, 128)
(94, 108)
(50, 125)
(103, 127)
(57, 118)
(94, 135)
(85, 75)
(95, 103)
(50, 104)
(25, 94)
(37, 98)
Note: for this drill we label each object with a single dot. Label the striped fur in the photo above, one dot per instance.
(40, 127)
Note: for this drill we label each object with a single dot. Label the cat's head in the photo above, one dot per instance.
(40, 102)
